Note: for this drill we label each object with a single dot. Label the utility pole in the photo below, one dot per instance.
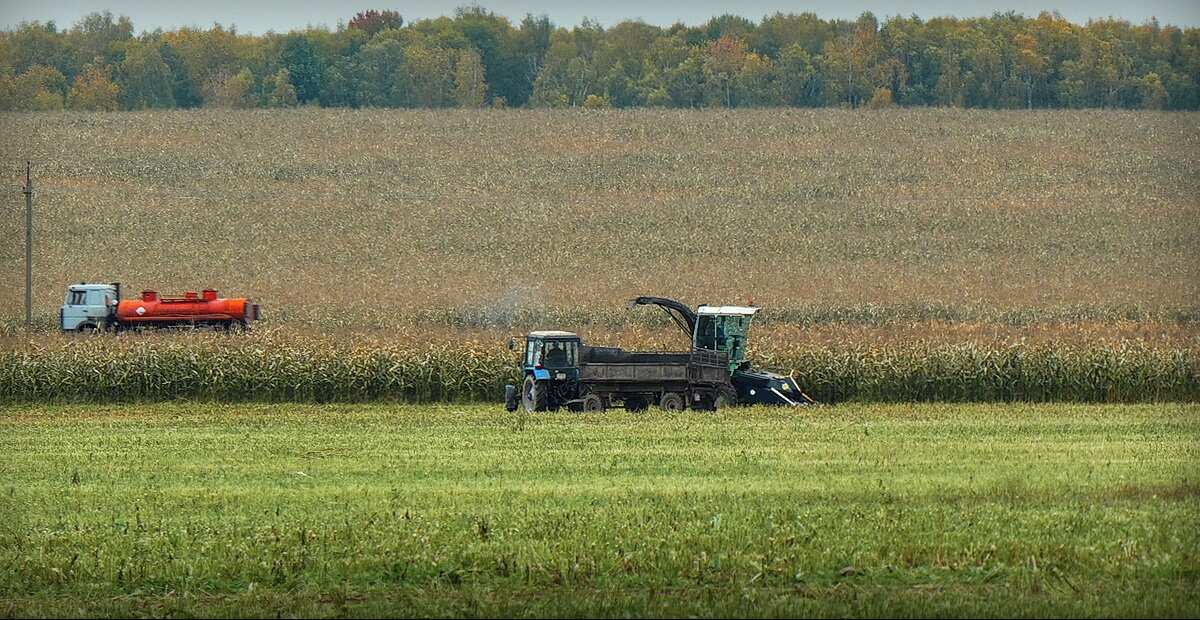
(28, 250)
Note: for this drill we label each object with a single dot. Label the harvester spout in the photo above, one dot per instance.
(683, 316)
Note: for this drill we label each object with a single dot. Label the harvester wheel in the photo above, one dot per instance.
(725, 398)
(593, 403)
(672, 402)
(534, 395)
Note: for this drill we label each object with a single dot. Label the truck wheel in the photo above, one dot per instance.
(672, 403)
(534, 395)
(87, 328)
(593, 403)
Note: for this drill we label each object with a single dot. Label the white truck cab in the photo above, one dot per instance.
(90, 307)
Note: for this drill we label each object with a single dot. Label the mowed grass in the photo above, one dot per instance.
(298, 510)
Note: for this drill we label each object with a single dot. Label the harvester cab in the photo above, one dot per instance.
(549, 369)
(726, 329)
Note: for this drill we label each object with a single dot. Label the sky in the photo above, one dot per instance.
(259, 16)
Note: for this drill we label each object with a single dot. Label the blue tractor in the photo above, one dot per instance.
(549, 370)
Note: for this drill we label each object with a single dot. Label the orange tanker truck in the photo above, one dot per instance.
(94, 307)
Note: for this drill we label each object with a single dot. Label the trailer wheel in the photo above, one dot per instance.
(672, 402)
(534, 395)
(593, 403)
(636, 403)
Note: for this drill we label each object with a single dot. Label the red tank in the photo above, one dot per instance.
(204, 308)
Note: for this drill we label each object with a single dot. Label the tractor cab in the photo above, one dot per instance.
(724, 328)
(552, 355)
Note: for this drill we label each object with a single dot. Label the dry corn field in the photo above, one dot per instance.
(871, 238)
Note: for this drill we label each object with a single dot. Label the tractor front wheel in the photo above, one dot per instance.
(534, 395)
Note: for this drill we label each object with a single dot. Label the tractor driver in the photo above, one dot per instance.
(556, 355)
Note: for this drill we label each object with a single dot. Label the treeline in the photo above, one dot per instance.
(477, 58)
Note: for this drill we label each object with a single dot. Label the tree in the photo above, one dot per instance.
(685, 82)
(882, 98)
(795, 73)
(721, 66)
(144, 79)
(338, 91)
(98, 35)
(36, 43)
(565, 78)
(851, 62)
(184, 90)
(372, 22)
(470, 88)
(377, 67)
(93, 89)
(430, 72)
(529, 46)
(306, 67)
(38, 88)
(754, 84)
(1152, 91)
(236, 92)
(279, 90)
(949, 90)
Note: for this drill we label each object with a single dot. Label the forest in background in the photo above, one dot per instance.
(477, 59)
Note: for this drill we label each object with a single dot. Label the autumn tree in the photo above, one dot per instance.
(470, 86)
(474, 57)
(372, 22)
(1152, 92)
(279, 91)
(754, 83)
(430, 72)
(38, 88)
(237, 92)
(721, 66)
(93, 88)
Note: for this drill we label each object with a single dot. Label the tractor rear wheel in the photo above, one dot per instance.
(672, 402)
(534, 395)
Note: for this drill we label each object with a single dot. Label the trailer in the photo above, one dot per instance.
(671, 380)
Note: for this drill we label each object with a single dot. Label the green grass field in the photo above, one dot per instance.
(934, 510)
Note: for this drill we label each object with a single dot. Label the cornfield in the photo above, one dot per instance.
(287, 368)
(362, 220)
